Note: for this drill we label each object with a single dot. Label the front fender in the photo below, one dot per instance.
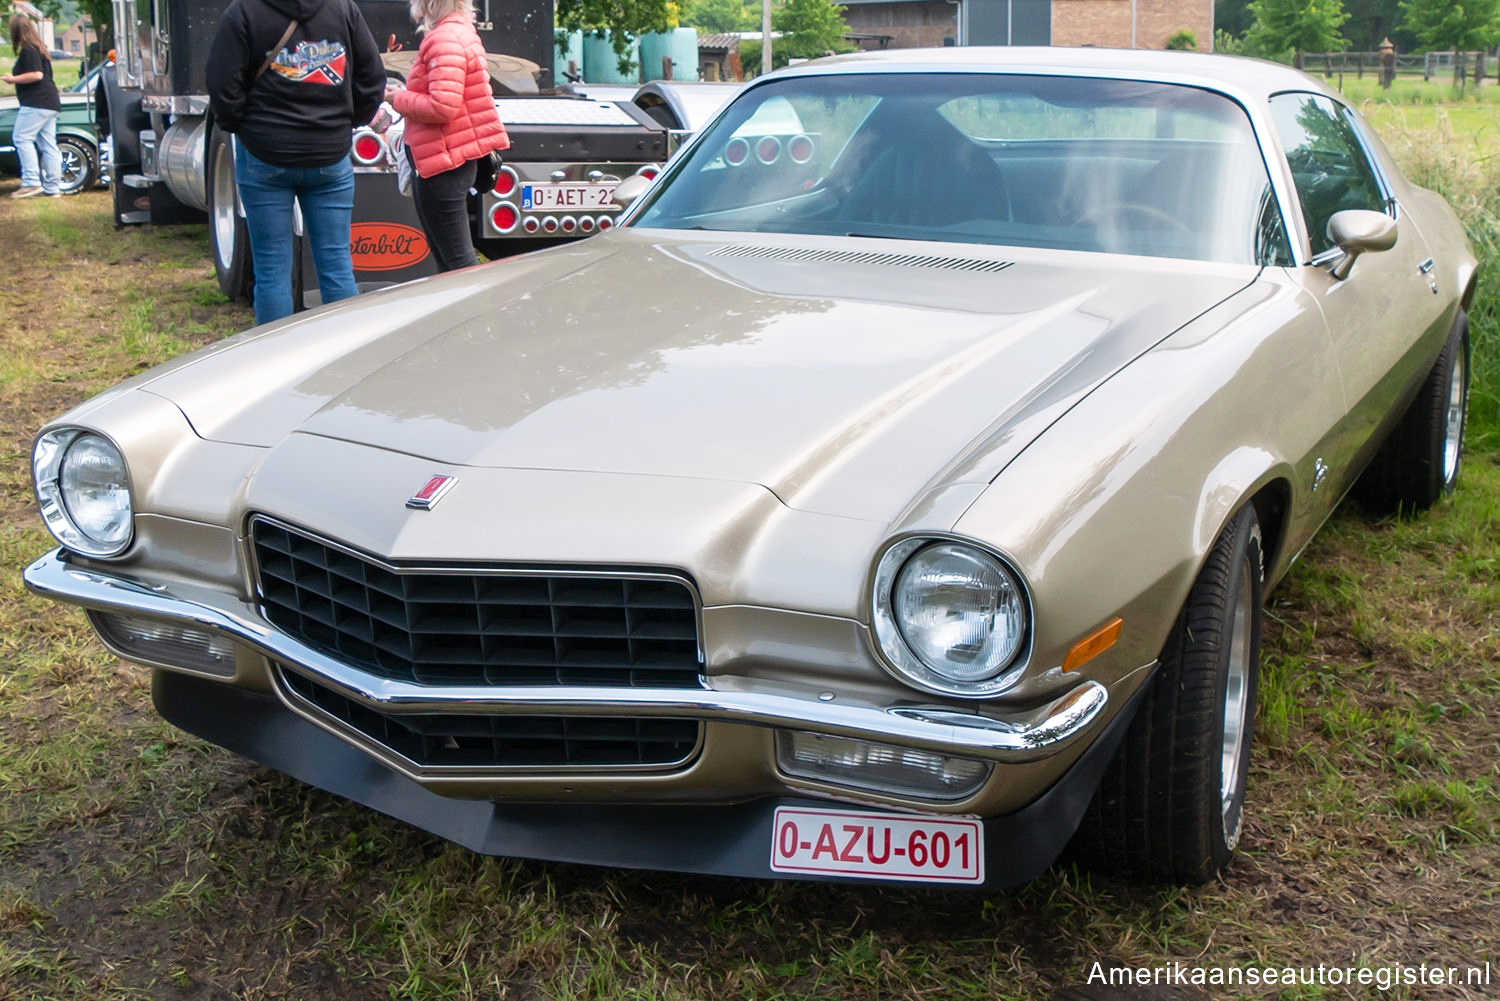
(1112, 511)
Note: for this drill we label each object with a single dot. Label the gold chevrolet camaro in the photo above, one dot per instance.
(891, 495)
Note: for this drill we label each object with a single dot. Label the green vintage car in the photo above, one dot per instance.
(77, 139)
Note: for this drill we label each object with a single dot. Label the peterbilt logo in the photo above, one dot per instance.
(432, 492)
(386, 246)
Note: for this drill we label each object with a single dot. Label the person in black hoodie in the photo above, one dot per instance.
(291, 79)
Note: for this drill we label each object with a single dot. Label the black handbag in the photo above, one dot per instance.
(486, 171)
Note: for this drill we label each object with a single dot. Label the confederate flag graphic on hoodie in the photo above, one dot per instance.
(312, 62)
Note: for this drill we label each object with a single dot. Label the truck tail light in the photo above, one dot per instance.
(532, 224)
(368, 148)
(504, 217)
(506, 182)
(586, 224)
(550, 224)
(605, 222)
(567, 224)
(649, 171)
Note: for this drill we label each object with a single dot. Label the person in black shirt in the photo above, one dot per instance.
(35, 131)
(290, 79)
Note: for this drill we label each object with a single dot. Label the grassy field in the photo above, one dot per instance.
(136, 862)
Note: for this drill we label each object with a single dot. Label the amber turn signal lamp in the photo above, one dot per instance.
(1093, 644)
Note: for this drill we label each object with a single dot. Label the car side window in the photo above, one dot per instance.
(1329, 166)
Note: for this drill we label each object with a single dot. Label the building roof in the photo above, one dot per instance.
(728, 40)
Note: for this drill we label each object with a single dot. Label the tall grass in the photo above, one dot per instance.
(1465, 170)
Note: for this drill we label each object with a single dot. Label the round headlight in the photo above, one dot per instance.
(84, 491)
(950, 616)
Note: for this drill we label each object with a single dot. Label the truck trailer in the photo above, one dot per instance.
(171, 164)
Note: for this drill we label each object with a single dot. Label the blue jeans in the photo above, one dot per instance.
(35, 135)
(326, 195)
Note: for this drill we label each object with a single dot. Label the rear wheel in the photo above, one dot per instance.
(1418, 464)
(1171, 805)
(228, 237)
(79, 161)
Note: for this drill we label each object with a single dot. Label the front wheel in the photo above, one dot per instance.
(228, 237)
(1171, 805)
(78, 164)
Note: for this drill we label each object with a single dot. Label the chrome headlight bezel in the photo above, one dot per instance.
(47, 459)
(897, 654)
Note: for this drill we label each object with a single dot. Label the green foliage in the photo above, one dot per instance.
(1299, 25)
(1372, 21)
(809, 29)
(718, 16)
(624, 20)
(102, 14)
(1233, 18)
(1183, 40)
(1454, 24)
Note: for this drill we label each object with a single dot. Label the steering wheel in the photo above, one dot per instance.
(1124, 211)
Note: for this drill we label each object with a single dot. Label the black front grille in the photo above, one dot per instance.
(477, 628)
(509, 741)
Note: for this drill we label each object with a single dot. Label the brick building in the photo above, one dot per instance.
(76, 39)
(1145, 24)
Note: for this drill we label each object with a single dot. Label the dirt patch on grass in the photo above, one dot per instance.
(139, 862)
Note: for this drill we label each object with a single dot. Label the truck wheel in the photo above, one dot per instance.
(78, 160)
(227, 234)
(1418, 464)
(1171, 804)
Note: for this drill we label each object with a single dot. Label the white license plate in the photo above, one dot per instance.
(878, 846)
(567, 196)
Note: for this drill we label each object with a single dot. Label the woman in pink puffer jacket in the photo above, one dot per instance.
(450, 122)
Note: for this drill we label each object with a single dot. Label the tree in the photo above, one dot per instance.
(1232, 17)
(1460, 25)
(1372, 21)
(1298, 25)
(809, 28)
(717, 16)
(623, 19)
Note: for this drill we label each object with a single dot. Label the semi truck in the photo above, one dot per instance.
(171, 164)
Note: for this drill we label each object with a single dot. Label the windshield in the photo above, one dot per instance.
(1085, 164)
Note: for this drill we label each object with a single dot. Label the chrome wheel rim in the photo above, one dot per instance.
(223, 216)
(1236, 707)
(72, 167)
(1453, 433)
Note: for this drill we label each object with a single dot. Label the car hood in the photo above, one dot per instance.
(10, 102)
(845, 376)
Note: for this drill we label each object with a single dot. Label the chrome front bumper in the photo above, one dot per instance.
(1021, 736)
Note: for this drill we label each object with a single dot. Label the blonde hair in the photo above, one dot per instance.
(24, 33)
(426, 13)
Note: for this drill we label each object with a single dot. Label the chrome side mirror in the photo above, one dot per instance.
(1359, 231)
(630, 189)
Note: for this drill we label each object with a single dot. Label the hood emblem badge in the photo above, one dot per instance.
(426, 498)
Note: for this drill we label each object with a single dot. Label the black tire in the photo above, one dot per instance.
(1171, 804)
(79, 164)
(1418, 464)
(228, 238)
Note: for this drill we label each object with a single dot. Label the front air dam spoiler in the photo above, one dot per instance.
(722, 840)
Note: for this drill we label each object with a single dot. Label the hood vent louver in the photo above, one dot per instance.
(792, 255)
